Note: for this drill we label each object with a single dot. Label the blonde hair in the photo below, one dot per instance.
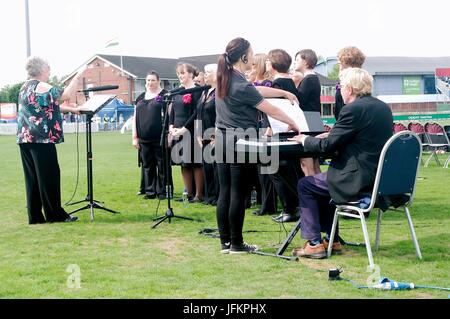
(259, 61)
(359, 80)
(211, 68)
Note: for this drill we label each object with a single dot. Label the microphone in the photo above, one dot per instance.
(182, 90)
(100, 88)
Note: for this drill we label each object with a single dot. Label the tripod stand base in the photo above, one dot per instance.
(91, 205)
(168, 215)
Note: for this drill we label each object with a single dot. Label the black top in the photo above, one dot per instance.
(149, 117)
(285, 84)
(357, 138)
(238, 108)
(339, 102)
(206, 110)
(183, 107)
(309, 93)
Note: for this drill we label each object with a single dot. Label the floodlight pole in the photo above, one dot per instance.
(27, 22)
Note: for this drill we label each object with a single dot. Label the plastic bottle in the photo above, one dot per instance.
(185, 198)
(253, 197)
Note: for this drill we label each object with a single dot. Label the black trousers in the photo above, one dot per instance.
(152, 162)
(211, 179)
(268, 193)
(42, 183)
(285, 183)
(233, 179)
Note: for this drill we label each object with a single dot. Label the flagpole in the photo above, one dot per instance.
(121, 62)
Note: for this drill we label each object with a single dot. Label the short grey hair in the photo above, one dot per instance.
(35, 66)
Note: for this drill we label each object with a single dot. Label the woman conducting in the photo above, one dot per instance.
(39, 130)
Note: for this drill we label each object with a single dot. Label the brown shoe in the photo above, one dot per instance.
(336, 248)
(308, 251)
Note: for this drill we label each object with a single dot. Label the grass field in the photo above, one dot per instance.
(120, 256)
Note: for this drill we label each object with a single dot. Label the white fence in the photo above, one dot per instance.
(11, 128)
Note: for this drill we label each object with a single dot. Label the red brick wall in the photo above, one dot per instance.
(413, 107)
(100, 73)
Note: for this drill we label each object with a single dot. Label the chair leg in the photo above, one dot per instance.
(436, 158)
(377, 238)
(366, 239)
(333, 232)
(428, 159)
(413, 233)
(447, 162)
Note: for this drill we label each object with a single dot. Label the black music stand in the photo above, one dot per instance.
(89, 109)
(166, 167)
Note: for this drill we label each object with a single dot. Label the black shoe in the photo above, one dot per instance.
(71, 219)
(259, 212)
(147, 196)
(243, 249)
(213, 202)
(287, 218)
(140, 193)
(225, 248)
(195, 200)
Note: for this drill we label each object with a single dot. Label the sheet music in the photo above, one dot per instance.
(293, 111)
(96, 103)
(243, 142)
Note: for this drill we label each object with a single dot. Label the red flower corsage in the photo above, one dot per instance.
(187, 98)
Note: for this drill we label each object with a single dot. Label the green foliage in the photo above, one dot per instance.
(120, 256)
(334, 73)
(10, 93)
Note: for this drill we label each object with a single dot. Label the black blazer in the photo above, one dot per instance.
(357, 138)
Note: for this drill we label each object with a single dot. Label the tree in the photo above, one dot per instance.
(334, 73)
(10, 93)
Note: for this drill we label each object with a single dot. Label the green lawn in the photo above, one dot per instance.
(120, 256)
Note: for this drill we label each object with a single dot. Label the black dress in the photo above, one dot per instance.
(183, 114)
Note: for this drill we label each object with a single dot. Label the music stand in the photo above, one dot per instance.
(91, 107)
(166, 167)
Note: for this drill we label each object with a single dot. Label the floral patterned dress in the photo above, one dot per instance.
(39, 119)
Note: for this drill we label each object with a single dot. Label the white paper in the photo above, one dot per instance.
(293, 111)
(96, 102)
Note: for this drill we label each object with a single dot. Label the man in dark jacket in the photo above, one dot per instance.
(357, 138)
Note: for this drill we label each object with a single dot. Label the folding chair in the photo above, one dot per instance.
(396, 175)
(399, 127)
(438, 140)
(419, 129)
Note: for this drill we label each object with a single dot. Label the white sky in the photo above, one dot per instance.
(69, 32)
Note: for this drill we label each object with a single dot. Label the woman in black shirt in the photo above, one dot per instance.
(148, 123)
(309, 97)
(285, 180)
(237, 104)
(181, 122)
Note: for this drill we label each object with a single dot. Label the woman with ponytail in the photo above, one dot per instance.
(237, 105)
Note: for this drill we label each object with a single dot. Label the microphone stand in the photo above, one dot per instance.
(166, 165)
(90, 187)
